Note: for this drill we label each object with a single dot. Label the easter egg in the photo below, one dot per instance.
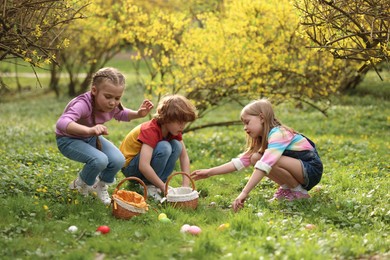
(223, 226)
(165, 220)
(161, 216)
(72, 229)
(184, 228)
(194, 230)
(259, 214)
(310, 226)
(103, 229)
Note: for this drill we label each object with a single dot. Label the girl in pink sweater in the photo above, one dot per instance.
(80, 130)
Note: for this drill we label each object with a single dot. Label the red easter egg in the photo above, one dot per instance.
(103, 229)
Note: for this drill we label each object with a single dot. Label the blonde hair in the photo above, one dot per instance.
(110, 75)
(175, 108)
(261, 107)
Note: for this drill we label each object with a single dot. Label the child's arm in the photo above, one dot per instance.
(142, 111)
(76, 129)
(146, 169)
(221, 169)
(256, 177)
(184, 164)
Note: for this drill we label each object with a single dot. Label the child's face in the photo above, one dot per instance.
(107, 96)
(253, 125)
(174, 128)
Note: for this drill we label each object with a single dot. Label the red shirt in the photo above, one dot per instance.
(149, 133)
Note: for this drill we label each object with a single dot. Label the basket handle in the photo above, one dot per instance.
(135, 179)
(176, 173)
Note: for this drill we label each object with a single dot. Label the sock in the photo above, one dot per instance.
(300, 189)
(285, 187)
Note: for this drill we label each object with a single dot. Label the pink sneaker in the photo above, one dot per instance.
(282, 194)
(299, 195)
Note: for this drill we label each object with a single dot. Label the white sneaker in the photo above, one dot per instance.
(100, 188)
(154, 192)
(79, 185)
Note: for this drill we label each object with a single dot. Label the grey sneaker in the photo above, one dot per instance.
(79, 185)
(100, 188)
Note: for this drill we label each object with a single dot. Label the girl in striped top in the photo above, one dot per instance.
(277, 152)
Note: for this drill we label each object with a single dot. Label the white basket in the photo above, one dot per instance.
(181, 194)
(182, 197)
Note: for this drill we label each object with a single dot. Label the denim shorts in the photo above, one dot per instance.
(312, 166)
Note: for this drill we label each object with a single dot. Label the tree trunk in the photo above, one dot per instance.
(353, 82)
(71, 86)
(54, 79)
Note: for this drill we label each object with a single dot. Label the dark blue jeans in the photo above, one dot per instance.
(164, 158)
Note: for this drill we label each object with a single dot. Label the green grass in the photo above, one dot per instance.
(350, 208)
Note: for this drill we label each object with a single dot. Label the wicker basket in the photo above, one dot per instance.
(127, 204)
(182, 197)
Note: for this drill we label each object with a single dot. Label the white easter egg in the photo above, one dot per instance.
(72, 229)
(184, 228)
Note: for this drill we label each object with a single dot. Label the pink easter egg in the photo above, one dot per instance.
(310, 226)
(194, 230)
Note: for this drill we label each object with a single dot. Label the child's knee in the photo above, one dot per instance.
(164, 148)
(255, 158)
(100, 162)
(119, 160)
(176, 146)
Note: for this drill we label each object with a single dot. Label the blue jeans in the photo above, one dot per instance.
(105, 163)
(164, 158)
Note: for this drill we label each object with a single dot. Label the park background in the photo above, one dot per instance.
(323, 64)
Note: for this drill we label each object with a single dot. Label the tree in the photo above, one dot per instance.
(242, 50)
(97, 39)
(93, 42)
(31, 30)
(356, 30)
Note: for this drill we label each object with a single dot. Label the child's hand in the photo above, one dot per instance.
(145, 108)
(200, 174)
(238, 203)
(99, 130)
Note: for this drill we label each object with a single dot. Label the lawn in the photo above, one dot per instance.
(349, 211)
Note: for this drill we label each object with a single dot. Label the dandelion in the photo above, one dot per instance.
(45, 207)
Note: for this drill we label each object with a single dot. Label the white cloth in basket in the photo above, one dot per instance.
(181, 194)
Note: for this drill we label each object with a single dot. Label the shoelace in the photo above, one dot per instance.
(104, 193)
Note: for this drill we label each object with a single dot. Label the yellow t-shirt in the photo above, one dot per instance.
(130, 146)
